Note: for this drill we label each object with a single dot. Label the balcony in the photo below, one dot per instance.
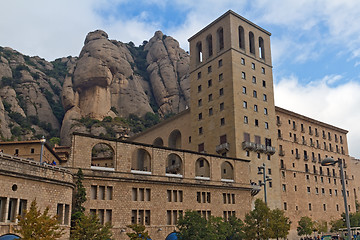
(314, 159)
(302, 130)
(311, 132)
(304, 142)
(282, 166)
(297, 156)
(248, 146)
(270, 149)
(278, 123)
(306, 158)
(222, 148)
(260, 147)
(296, 139)
(280, 136)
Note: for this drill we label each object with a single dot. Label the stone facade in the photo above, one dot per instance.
(154, 185)
(24, 180)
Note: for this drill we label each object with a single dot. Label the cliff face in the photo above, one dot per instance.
(30, 90)
(108, 79)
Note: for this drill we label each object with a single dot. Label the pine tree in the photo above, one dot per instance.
(35, 225)
(79, 198)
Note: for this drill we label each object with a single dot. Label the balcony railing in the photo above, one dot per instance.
(270, 149)
(224, 147)
(248, 145)
(306, 157)
(297, 156)
(260, 147)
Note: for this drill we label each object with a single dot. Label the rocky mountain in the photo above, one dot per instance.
(110, 89)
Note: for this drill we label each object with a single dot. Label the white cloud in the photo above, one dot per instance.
(337, 106)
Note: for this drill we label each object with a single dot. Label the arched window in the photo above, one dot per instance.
(227, 171)
(202, 168)
(102, 155)
(141, 161)
(158, 142)
(174, 164)
(209, 45)
(199, 53)
(220, 38)
(175, 139)
(261, 48)
(241, 38)
(251, 42)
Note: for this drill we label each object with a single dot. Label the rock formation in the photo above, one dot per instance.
(108, 79)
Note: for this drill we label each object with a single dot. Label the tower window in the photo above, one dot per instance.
(241, 37)
(251, 42)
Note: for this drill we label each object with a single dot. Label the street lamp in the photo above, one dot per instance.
(42, 141)
(262, 170)
(331, 162)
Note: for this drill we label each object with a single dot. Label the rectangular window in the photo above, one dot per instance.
(266, 125)
(244, 90)
(200, 130)
(93, 192)
(243, 75)
(246, 120)
(200, 116)
(210, 97)
(253, 79)
(253, 66)
(264, 97)
(246, 137)
(210, 111)
(256, 123)
(264, 83)
(32, 150)
(262, 70)
(255, 108)
(242, 61)
(254, 94)
(221, 77)
(209, 83)
(221, 106)
(109, 193)
(102, 192)
(265, 111)
(108, 216)
(244, 104)
(199, 75)
(220, 63)
(222, 121)
(134, 194)
(201, 147)
(199, 102)
(60, 212)
(199, 88)
(223, 139)
(209, 69)
(221, 91)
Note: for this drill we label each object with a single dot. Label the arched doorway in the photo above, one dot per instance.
(202, 168)
(9, 237)
(141, 160)
(174, 164)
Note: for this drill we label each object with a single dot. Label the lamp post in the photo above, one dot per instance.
(42, 141)
(330, 162)
(262, 170)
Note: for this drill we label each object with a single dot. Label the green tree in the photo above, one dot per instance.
(256, 222)
(192, 226)
(53, 141)
(321, 226)
(139, 232)
(35, 225)
(88, 227)
(279, 224)
(306, 226)
(79, 198)
(336, 225)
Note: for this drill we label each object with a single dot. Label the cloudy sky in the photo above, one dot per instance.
(315, 44)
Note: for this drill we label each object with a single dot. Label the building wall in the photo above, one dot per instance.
(164, 132)
(309, 189)
(23, 180)
(110, 190)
